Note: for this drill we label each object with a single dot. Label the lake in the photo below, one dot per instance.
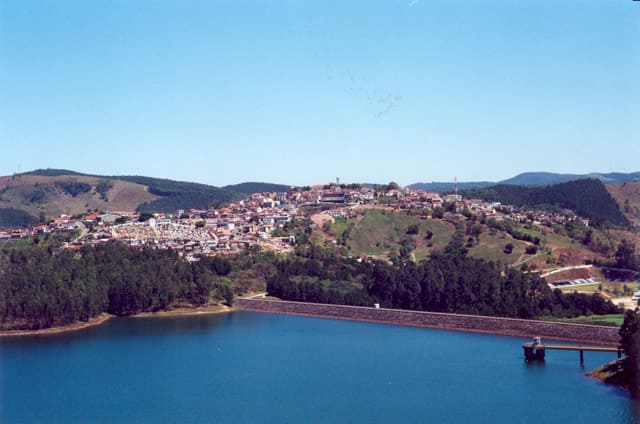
(252, 367)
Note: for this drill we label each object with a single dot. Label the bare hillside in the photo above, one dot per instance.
(52, 196)
(628, 197)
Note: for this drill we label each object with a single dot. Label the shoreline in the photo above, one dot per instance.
(76, 326)
(186, 311)
(104, 317)
(220, 309)
(611, 374)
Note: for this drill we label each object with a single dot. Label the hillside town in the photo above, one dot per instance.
(261, 217)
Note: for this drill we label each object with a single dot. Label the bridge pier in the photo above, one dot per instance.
(536, 349)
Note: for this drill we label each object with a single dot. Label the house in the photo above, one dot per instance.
(333, 198)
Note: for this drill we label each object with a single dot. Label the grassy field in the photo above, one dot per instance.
(582, 288)
(613, 320)
(607, 286)
(338, 227)
(548, 237)
(379, 233)
(442, 234)
(491, 248)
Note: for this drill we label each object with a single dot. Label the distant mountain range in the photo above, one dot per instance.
(50, 192)
(531, 179)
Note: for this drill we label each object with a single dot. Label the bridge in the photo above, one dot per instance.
(536, 350)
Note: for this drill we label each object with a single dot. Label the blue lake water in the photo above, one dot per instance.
(253, 367)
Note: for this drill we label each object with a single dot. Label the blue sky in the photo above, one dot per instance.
(300, 92)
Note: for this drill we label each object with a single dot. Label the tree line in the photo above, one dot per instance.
(630, 342)
(446, 282)
(42, 287)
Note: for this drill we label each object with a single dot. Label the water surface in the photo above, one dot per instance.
(255, 367)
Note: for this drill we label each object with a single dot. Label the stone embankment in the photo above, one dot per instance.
(579, 333)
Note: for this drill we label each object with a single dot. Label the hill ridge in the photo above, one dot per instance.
(50, 192)
(532, 178)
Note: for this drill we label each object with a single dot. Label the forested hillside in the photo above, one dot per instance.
(10, 217)
(446, 282)
(254, 187)
(43, 287)
(588, 198)
(181, 195)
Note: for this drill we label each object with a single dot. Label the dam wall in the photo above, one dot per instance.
(579, 333)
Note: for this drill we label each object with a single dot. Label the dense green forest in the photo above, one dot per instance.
(446, 282)
(52, 172)
(12, 218)
(73, 187)
(630, 342)
(42, 287)
(255, 187)
(185, 201)
(588, 198)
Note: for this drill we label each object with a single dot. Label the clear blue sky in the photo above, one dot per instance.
(301, 92)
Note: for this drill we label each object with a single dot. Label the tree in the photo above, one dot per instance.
(630, 342)
(144, 216)
(393, 186)
(121, 219)
(200, 224)
(508, 248)
(625, 255)
(412, 229)
(476, 231)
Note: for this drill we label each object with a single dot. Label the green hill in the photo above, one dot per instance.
(383, 233)
(588, 198)
(378, 233)
(255, 187)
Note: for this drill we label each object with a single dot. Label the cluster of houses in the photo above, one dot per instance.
(252, 221)
(450, 205)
